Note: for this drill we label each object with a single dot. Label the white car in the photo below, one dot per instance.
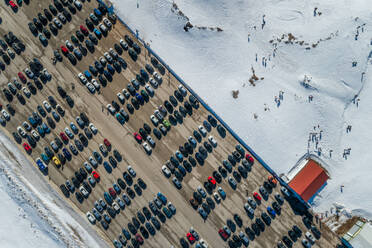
(108, 57)
(107, 22)
(10, 52)
(82, 78)
(151, 141)
(203, 243)
(47, 74)
(5, 114)
(47, 106)
(35, 134)
(91, 88)
(69, 45)
(21, 131)
(131, 171)
(116, 207)
(213, 141)
(125, 93)
(120, 97)
(78, 4)
(29, 73)
(91, 218)
(103, 28)
(147, 148)
(123, 44)
(84, 191)
(157, 76)
(111, 109)
(217, 198)
(158, 115)
(202, 131)
(310, 237)
(57, 23)
(166, 171)
(62, 17)
(154, 83)
(149, 89)
(154, 120)
(26, 92)
(93, 128)
(103, 61)
(182, 90)
(96, 84)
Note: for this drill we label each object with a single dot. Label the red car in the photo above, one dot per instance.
(112, 192)
(13, 5)
(22, 77)
(107, 143)
(212, 180)
(95, 175)
(191, 238)
(257, 196)
(63, 136)
(249, 159)
(84, 30)
(139, 238)
(137, 137)
(28, 149)
(223, 234)
(64, 50)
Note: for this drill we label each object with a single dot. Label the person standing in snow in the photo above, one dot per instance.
(263, 21)
(315, 9)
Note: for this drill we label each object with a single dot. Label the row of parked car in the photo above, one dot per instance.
(257, 226)
(104, 69)
(10, 47)
(76, 50)
(36, 72)
(147, 222)
(56, 15)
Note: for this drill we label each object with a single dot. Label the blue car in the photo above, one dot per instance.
(140, 98)
(97, 12)
(107, 75)
(66, 153)
(120, 118)
(111, 69)
(126, 233)
(93, 70)
(144, 74)
(207, 125)
(116, 188)
(107, 167)
(98, 66)
(162, 198)
(45, 127)
(97, 33)
(41, 131)
(271, 211)
(88, 75)
(108, 198)
(32, 121)
(182, 170)
(41, 165)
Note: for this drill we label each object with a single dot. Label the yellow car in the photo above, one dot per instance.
(56, 161)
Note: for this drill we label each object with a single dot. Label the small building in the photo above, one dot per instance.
(308, 177)
(360, 235)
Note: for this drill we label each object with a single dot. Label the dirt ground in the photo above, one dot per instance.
(147, 167)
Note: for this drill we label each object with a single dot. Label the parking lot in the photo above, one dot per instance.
(147, 166)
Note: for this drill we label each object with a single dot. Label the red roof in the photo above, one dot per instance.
(309, 180)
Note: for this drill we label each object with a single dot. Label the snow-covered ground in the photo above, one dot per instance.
(295, 41)
(32, 214)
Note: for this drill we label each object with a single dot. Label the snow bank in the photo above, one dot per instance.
(296, 40)
(33, 214)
